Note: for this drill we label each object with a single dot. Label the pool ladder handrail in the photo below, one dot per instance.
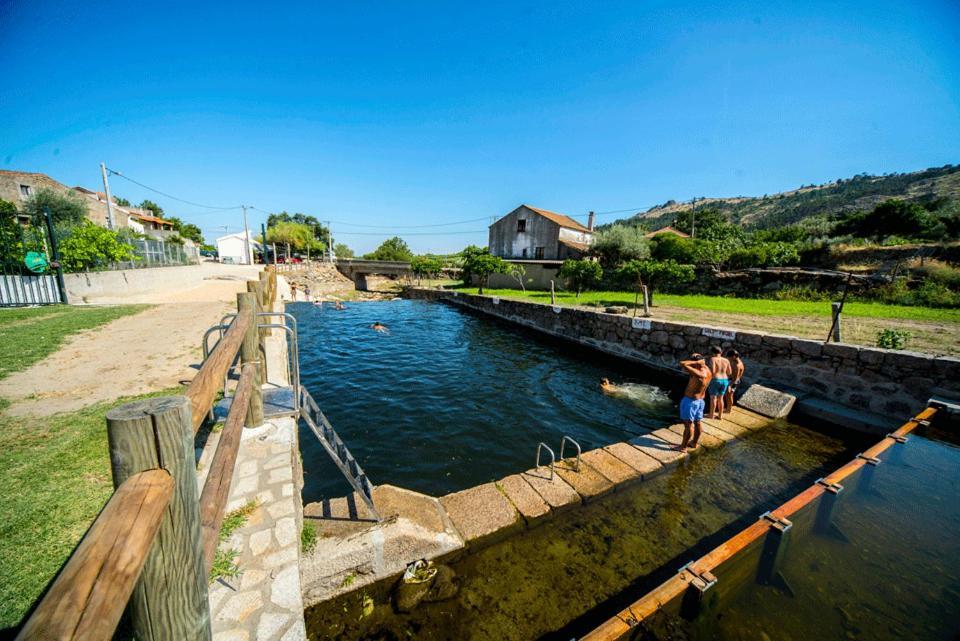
(563, 442)
(553, 459)
(337, 449)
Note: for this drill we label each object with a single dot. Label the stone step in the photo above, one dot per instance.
(481, 514)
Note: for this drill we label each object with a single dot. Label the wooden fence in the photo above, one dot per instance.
(150, 549)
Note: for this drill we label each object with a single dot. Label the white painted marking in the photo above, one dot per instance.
(640, 323)
(556, 309)
(496, 300)
(722, 334)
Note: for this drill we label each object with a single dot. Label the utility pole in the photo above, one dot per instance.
(263, 239)
(246, 237)
(329, 242)
(106, 190)
(693, 219)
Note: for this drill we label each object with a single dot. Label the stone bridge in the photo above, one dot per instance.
(357, 270)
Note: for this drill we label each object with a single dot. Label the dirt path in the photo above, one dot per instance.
(146, 352)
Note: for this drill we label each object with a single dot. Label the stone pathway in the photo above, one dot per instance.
(354, 550)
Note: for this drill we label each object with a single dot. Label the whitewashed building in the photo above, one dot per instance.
(231, 248)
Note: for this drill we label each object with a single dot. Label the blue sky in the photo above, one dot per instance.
(394, 115)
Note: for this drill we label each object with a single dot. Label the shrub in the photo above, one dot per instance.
(480, 263)
(581, 273)
(802, 293)
(892, 338)
(89, 246)
(65, 209)
(619, 243)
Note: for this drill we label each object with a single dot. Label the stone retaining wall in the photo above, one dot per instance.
(887, 384)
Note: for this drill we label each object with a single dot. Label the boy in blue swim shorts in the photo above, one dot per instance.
(692, 403)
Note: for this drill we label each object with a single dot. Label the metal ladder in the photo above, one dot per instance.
(337, 449)
(297, 401)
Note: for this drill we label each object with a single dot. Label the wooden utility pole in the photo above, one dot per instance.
(106, 191)
(170, 599)
(246, 237)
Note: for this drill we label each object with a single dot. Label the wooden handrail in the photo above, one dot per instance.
(88, 596)
(213, 499)
(619, 626)
(203, 388)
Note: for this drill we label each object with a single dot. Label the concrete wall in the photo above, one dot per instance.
(537, 276)
(862, 387)
(114, 286)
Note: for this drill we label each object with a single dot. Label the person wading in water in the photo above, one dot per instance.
(738, 368)
(691, 405)
(721, 370)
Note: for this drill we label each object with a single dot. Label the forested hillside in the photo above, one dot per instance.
(832, 200)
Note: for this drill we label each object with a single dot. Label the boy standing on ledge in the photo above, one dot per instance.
(691, 405)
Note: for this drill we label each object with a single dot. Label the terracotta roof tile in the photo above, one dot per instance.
(560, 219)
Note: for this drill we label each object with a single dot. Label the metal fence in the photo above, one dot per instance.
(158, 253)
(18, 285)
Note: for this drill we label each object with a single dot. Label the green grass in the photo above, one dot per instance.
(727, 305)
(224, 565)
(236, 519)
(55, 474)
(308, 537)
(28, 335)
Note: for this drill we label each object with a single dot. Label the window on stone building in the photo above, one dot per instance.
(538, 253)
(524, 253)
(521, 226)
(25, 190)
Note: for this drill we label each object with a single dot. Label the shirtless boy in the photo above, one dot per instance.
(721, 370)
(691, 405)
(738, 368)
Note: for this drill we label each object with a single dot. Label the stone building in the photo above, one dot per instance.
(18, 186)
(529, 233)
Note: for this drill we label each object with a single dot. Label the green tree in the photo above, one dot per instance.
(152, 207)
(517, 272)
(123, 202)
(581, 274)
(425, 267)
(186, 230)
(478, 264)
(320, 231)
(656, 274)
(619, 243)
(290, 235)
(706, 224)
(90, 246)
(65, 208)
(673, 247)
(342, 251)
(394, 249)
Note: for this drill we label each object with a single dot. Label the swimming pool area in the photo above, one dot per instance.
(447, 399)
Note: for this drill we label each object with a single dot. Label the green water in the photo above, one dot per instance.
(892, 573)
(562, 578)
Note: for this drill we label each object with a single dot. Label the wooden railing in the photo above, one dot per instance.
(150, 549)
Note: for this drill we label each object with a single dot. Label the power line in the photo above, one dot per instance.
(411, 233)
(157, 191)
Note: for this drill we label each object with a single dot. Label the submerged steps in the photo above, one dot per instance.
(353, 550)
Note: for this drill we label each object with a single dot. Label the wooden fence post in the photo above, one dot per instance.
(170, 599)
(250, 353)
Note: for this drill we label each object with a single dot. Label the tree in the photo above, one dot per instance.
(90, 246)
(479, 263)
(187, 230)
(673, 247)
(619, 243)
(319, 231)
(391, 249)
(706, 224)
(425, 267)
(518, 272)
(342, 251)
(123, 202)
(896, 217)
(656, 273)
(152, 207)
(65, 208)
(581, 273)
(289, 234)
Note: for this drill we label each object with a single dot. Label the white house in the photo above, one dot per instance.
(231, 248)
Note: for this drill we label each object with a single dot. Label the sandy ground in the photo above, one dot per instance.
(156, 349)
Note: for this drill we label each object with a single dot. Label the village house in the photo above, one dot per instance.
(667, 230)
(539, 240)
(233, 249)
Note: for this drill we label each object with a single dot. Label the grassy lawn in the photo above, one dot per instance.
(56, 477)
(27, 335)
(752, 306)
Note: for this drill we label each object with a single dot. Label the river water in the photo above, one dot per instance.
(447, 400)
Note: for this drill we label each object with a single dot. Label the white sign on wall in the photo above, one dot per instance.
(556, 309)
(640, 323)
(722, 334)
(456, 293)
(496, 300)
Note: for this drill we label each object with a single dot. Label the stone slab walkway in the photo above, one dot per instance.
(354, 550)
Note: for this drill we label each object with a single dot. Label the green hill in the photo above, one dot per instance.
(835, 199)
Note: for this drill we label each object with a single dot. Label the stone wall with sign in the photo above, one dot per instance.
(889, 385)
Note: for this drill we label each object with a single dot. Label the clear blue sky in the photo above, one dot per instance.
(413, 113)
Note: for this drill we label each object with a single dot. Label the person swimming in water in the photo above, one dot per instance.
(339, 306)
(608, 387)
(380, 327)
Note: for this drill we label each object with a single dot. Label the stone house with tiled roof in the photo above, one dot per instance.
(531, 233)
